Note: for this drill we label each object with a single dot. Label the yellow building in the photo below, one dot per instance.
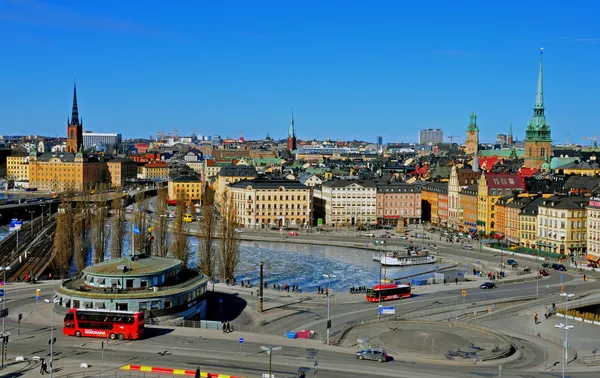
(493, 186)
(231, 174)
(562, 224)
(188, 187)
(580, 168)
(156, 170)
(593, 231)
(120, 171)
(264, 203)
(17, 167)
(512, 226)
(528, 224)
(63, 171)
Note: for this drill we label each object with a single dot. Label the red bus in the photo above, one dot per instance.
(124, 325)
(388, 292)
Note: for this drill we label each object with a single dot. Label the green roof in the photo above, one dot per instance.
(500, 153)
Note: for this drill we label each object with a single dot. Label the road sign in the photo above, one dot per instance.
(464, 293)
(37, 293)
(1, 292)
(387, 310)
(241, 340)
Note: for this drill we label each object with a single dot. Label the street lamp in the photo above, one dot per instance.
(270, 353)
(329, 277)
(566, 327)
(4, 269)
(51, 333)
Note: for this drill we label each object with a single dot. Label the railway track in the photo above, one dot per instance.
(28, 232)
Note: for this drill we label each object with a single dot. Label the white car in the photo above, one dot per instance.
(239, 230)
(370, 235)
(403, 237)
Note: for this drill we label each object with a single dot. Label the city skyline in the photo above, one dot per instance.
(347, 79)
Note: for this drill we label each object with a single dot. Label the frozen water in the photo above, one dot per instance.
(300, 264)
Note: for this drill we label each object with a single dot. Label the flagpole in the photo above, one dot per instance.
(132, 241)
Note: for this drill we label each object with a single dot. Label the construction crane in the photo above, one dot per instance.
(175, 133)
(451, 137)
(594, 140)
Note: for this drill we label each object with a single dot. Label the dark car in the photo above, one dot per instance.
(487, 285)
(376, 354)
(546, 265)
(386, 236)
(559, 267)
(512, 263)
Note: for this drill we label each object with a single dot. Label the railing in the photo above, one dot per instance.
(590, 360)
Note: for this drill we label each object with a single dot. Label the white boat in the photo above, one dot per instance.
(395, 259)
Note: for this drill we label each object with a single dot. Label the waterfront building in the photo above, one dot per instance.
(491, 187)
(472, 141)
(271, 203)
(230, 174)
(186, 187)
(120, 171)
(346, 202)
(155, 170)
(562, 224)
(17, 167)
(538, 140)
(158, 286)
(398, 201)
(63, 171)
(593, 231)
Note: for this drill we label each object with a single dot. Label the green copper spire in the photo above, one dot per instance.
(473, 122)
(292, 131)
(510, 131)
(538, 128)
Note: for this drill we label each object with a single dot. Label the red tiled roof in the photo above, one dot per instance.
(505, 181)
(526, 172)
(487, 162)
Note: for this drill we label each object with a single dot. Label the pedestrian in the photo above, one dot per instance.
(228, 327)
(456, 280)
(224, 327)
(197, 375)
(42, 369)
(535, 318)
(327, 292)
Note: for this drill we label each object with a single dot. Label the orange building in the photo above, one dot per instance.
(156, 170)
(501, 214)
(430, 202)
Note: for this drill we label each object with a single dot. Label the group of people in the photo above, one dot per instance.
(227, 327)
(358, 290)
(491, 276)
(44, 368)
(322, 290)
(286, 287)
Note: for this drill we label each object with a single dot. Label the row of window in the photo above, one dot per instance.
(381, 204)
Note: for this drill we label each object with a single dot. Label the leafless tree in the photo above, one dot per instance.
(140, 220)
(208, 234)
(161, 230)
(229, 246)
(99, 231)
(117, 229)
(80, 231)
(63, 239)
(180, 248)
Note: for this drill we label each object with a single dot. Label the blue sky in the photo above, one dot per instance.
(352, 69)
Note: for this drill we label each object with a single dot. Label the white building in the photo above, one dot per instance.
(346, 203)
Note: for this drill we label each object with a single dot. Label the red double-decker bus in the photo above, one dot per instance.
(123, 325)
(388, 292)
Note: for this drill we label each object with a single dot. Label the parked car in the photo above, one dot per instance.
(559, 267)
(468, 247)
(546, 265)
(376, 354)
(370, 235)
(386, 236)
(512, 263)
(239, 230)
(487, 285)
(403, 237)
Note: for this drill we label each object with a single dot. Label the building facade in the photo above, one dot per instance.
(17, 167)
(186, 187)
(65, 171)
(431, 136)
(491, 187)
(593, 231)
(398, 201)
(231, 174)
(468, 210)
(155, 170)
(538, 140)
(562, 224)
(459, 179)
(110, 141)
(120, 171)
(271, 203)
(346, 202)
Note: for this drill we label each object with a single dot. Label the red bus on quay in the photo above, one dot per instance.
(388, 292)
(124, 325)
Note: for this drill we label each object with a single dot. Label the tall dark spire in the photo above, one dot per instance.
(75, 111)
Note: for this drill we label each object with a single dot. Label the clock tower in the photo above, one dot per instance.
(472, 135)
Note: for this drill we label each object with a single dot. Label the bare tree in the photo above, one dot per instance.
(80, 228)
(161, 230)
(208, 234)
(99, 231)
(180, 248)
(229, 247)
(63, 239)
(140, 220)
(117, 228)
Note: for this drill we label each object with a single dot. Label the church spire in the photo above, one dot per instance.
(292, 131)
(539, 98)
(75, 111)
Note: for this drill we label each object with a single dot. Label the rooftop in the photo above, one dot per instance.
(139, 267)
(270, 184)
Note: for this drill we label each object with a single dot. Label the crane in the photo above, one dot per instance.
(451, 137)
(594, 140)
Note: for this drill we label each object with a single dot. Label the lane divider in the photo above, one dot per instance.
(172, 371)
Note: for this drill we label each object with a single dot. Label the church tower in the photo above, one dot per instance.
(472, 135)
(538, 142)
(510, 136)
(291, 139)
(74, 127)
